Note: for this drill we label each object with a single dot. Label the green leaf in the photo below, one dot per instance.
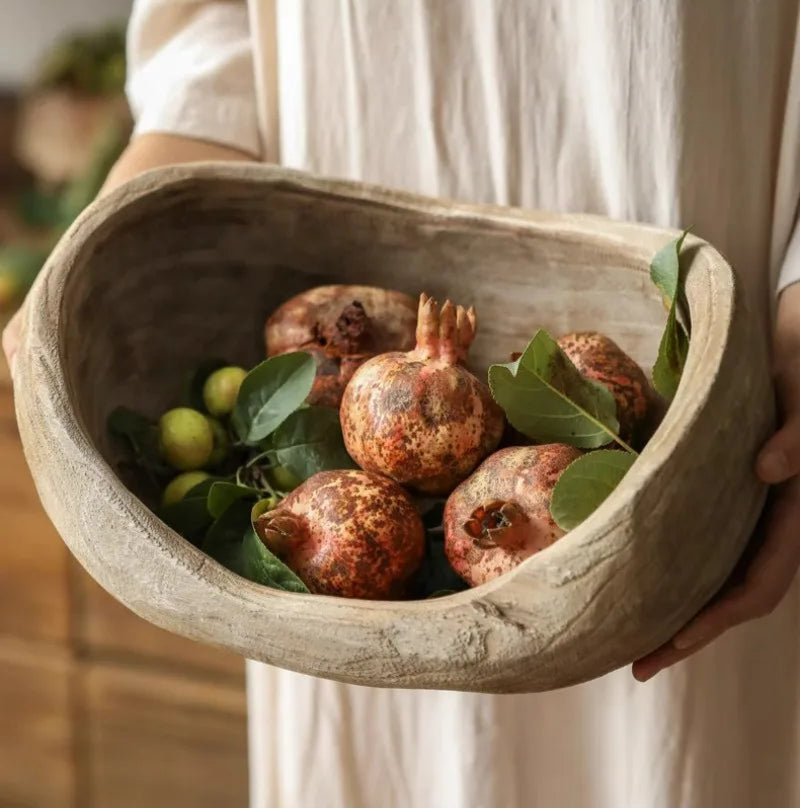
(141, 435)
(545, 397)
(193, 390)
(190, 516)
(665, 269)
(585, 484)
(310, 441)
(261, 566)
(666, 274)
(128, 423)
(672, 352)
(224, 541)
(223, 494)
(270, 393)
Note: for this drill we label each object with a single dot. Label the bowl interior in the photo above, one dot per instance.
(192, 270)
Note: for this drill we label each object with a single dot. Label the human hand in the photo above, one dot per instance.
(771, 562)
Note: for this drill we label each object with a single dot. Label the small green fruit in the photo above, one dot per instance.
(221, 442)
(185, 438)
(283, 479)
(221, 389)
(181, 485)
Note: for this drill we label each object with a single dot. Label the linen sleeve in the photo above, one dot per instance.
(190, 71)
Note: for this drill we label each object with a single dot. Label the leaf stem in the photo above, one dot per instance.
(586, 414)
(253, 460)
(618, 440)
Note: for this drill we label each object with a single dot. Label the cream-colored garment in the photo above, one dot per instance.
(679, 112)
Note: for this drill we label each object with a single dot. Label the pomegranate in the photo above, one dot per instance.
(501, 515)
(342, 327)
(421, 417)
(349, 533)
(598, 357)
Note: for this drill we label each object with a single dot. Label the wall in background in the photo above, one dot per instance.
(29, 27)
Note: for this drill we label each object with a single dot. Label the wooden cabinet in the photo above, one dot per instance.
(37, 744)
(160, 739)
(100, 709)
(34, 564)
(109, 629)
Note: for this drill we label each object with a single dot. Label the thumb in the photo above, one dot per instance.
(780, 458)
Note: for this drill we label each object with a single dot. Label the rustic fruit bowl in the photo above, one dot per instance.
(186, 262)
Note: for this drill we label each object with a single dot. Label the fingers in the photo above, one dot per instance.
(779, 460)
(769, 568)
(768, 577)
(663, 657)
(736, 607)
(767, 580)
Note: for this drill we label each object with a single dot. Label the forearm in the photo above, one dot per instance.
(154, 150)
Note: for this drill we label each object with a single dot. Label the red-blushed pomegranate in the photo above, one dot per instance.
(600, 358)
(421, 417)
(342, 327)
(500, 515)
(349, 533)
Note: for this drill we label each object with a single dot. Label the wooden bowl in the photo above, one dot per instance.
(187, 262)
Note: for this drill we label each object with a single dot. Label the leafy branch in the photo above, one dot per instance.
(546, 398)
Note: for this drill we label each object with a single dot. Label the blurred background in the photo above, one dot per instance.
(99, 709)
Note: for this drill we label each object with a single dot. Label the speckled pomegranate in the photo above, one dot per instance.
(421, 417)
(349, 533)
(341, 326)
(501, 515)
(600, 358)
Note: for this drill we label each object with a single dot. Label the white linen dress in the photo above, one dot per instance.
(677, 112)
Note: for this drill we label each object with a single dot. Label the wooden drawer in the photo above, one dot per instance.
(36, 744)
(155, 740)
(36, 593)
(34, 585)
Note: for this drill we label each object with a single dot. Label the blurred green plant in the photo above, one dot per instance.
(54, 211)
(19, 266)
(92, 62)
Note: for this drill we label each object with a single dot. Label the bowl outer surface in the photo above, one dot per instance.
(187, 262)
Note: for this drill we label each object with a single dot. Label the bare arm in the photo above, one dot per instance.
(154, 150)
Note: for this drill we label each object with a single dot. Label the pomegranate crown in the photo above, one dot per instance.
(278, 531)
(444, 334)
